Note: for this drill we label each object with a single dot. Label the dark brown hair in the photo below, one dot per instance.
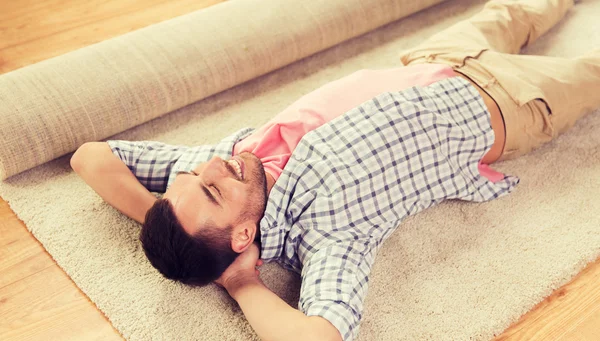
(192, 259)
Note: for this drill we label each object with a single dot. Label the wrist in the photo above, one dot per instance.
(235, 285)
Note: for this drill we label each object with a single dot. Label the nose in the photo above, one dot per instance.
(216, 169)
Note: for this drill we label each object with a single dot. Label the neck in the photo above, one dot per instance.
(270, 182)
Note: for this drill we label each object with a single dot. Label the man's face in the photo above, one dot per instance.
(220, 193)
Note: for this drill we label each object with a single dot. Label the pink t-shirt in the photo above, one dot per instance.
(275, 141)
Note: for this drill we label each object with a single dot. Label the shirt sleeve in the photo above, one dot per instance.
(149, 161)
(335, 283)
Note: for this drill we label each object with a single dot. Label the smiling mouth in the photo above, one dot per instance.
(237, 166)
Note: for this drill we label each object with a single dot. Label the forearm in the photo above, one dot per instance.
(274, 320)
(107, 175)
(122, 191)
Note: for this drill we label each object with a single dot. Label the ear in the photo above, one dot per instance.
(243, 236)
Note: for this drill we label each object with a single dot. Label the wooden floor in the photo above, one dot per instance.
(38, 301)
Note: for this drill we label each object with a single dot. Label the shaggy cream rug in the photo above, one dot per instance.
(458, 271)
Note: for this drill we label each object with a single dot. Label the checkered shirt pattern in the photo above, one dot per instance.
(350, 182)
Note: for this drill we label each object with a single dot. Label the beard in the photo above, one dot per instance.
(257, 179)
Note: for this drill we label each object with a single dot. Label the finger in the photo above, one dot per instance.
(257, 272)
(259, 262)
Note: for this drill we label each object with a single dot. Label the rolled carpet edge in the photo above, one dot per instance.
(52, 107)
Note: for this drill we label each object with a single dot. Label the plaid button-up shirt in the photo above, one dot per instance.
(350, 183)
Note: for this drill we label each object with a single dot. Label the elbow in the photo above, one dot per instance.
(77, 158)
(85, 156)
(322, 337)
(335, 337)
(328, 337)
(323, 330)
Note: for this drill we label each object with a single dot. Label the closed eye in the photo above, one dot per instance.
(216, 189)
(188, 173)
(210, 196)
(205, 189)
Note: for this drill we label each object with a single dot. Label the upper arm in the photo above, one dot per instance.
(110, 177)
(335, 284)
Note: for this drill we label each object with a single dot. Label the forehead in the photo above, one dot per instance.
(190, 204)
(181, 179)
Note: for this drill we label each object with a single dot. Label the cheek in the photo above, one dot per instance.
(238, 196)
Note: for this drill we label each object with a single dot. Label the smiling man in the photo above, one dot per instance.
(322, 185)
(218, 202)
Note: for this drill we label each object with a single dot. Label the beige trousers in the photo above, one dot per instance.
(539, 97)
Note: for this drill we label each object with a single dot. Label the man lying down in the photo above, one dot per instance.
(321, 186)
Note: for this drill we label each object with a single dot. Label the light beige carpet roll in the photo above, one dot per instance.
(458, 271)
(51, 108)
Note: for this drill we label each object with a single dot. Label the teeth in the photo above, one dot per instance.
(237, 167)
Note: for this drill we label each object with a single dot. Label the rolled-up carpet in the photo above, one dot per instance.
(50, 108)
